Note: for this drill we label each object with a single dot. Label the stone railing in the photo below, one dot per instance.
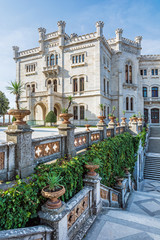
(29, 52)
(82, 38)
(110, 197)
(51, 35)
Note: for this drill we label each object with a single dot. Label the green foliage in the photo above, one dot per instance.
(54, 181)
(142, 136)
(51, 117)
(20, 204)
(134, 115)
(16, 88)
(13, 119)
(124, 112)
(116, 119)
(4, 103)
(86, 119)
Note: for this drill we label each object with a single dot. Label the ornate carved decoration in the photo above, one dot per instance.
(47, 149)
(79, 141)
(104, 194)
(2, 154)
(114, 197)
(77, 211)
(108, 132)
(95, 137)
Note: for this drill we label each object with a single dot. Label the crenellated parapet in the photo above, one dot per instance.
(15, 51)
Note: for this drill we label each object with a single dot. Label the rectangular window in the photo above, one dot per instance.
(156, 71)
(105, 111)
(145, 72)
(81, 84)
(154, 91)
(81, 112)
(108, 112)
(144, 92)
(152, 71)
(80, 58)
(141, 72)
(77, 59)
(75, 85)
(75, 113)
(104, 83)
(73, 59)
(107, 87)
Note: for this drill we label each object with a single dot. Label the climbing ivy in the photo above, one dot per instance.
(19, 205)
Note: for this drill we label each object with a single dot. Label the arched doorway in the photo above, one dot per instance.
(57, 110)
(39, 112)
(155, 115)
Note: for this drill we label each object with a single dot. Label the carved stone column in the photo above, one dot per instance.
(102, 126)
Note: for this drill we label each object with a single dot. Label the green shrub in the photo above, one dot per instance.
(19, 205)
(51, 117)
(13, 119)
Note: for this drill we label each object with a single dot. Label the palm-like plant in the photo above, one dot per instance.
(16, 88)
(70, 99)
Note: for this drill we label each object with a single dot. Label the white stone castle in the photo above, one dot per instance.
(93, 70)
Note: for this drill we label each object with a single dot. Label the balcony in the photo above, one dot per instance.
(51, 71)
(130, 86)
(151, 99)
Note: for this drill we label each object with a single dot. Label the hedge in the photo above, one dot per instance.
(19, 205)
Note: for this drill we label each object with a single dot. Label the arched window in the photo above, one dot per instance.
(48, 61)
(55, 85)
(28, 86)
(154, 91)
(144, 92)
(127, 103)
(81, 112)
(33, 88)
(130, 74)
(49, 82)
(81, 81)
(126, 71)
(56, 59)
(108, 112)
(75, 113)
(107, 87)
(131, 104)
(52, 60)
(104, 85)
(75, 85)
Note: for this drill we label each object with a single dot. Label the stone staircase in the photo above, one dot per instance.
(152, 162)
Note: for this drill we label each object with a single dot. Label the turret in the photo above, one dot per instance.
(42, 32)
(119, 32)
(99, 27)
(138, 40)
(61, 32)
(15, 52)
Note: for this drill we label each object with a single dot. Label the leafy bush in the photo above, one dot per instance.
(51, 117)
(19, 205)
(13, 119)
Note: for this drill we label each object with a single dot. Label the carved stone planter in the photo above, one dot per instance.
(119, 180)
(127, 170)
(112, 119)
(87, 127)
(53, 202)
(134, 119)
(123, 119)
(19, 115)
(66, 117)
(101, 119)
(118, 124)
(91, 168)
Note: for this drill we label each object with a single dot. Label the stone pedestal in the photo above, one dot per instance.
(56, 219)
(112, 125)
(102, 126)
(21, 135)
(68, 131)
(123, 124)
(134, 127)
(94, 182)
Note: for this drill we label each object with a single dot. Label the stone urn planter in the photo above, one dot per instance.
(101, 119)
(134, 119)
(91, 167)
(118, 124)
(123, 119)
(119, 180)
(66, 117)
(112, 119)
(53, 202)
(126, 169)
(87, 127)
(19, 115)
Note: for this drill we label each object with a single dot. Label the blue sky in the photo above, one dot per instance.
(19, 20)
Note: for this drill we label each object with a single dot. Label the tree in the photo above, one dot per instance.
(4, 103)
(51, 117)
(16, 88)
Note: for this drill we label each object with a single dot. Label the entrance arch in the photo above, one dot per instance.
(155, 115)
(39, 112)
(57, 110)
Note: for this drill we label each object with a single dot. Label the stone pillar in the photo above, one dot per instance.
(56, 219)
(9, 118)
(68, 131)
(99, 27)
(15, 52)
(42, 32)
(21, 135)
(50, 98)
(138, 40)
(113, 126)
(119, 32)
(102, 126)
(134, 127)
(94, 182)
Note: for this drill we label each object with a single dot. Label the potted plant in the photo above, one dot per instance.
(92, 165)
(101, 117)
(16, 88)
(119, 175)
(139, 117)
(123, 118)
(65, 115)
(111, 115)
(87, 125)
(126, 170)
(134, 117)
(53, 191)
(118, 124)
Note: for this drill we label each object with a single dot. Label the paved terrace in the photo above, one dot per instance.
(39, 132)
